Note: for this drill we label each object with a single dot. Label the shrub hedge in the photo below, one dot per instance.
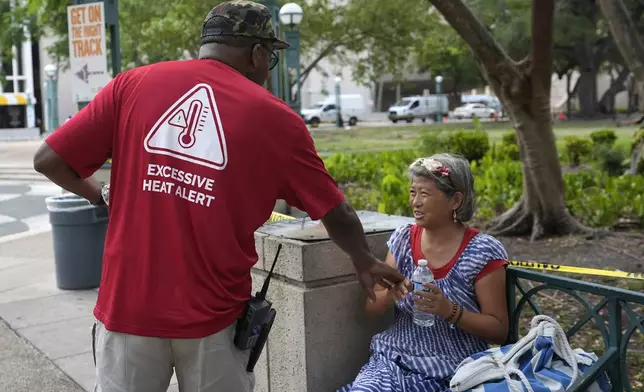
(598, 193)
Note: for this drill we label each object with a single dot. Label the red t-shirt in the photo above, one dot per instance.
(441, 272)
(200, 155)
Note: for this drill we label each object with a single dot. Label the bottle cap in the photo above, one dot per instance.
(422, 262)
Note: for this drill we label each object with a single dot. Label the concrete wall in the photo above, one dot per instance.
(321, 336)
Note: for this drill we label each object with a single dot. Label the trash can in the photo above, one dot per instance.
(78, 231)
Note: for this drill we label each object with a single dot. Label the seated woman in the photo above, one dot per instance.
(467, 297)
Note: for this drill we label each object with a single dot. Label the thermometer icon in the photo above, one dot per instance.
(187, 137)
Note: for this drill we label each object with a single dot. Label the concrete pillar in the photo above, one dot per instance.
(321, 336)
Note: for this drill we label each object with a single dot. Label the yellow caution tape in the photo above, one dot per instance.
(576, 270)
(276, 216)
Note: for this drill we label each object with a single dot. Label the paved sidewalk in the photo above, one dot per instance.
(25, 369)
(56, 322)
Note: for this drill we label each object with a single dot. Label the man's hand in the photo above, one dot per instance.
(378, 272)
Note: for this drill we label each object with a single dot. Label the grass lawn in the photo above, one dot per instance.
(396, 137)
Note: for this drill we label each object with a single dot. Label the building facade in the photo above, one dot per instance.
(20, 110)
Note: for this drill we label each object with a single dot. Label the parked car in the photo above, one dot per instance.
(472, 110)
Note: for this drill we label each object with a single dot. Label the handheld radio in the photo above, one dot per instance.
(256, 322)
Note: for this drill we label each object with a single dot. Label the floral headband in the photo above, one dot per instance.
(433, 166)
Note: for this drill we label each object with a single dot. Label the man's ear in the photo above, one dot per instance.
(256, 57)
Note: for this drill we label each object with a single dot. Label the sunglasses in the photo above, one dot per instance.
(274, 58)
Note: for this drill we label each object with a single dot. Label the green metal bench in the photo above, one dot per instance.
(618, 303)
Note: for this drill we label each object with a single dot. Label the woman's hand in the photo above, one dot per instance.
(432, 301)
(399, 291)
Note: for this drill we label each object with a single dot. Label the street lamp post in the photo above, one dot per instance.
(291, 15)
(338, 103)
(275, 83)
(51, 71)
(439, 92)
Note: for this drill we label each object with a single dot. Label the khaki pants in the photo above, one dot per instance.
(130, 363)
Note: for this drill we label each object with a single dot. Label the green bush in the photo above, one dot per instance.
(600, 200)
(379, 181)
(508, 151)
(578, 149)
(497, 185)
(473, 145)
(509, 138)
(606, 137)
(432, 142)
(610, 159)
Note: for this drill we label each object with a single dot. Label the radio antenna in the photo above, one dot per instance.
(262, 294)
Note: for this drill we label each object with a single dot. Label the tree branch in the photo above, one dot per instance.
(542, 41)
(625, 33)
(488, 52)
(316, 61)
(616, 87)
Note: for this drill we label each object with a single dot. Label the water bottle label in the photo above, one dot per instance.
(419, 286)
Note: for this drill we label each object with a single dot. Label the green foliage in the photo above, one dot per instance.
(374, 47)
(365, 169)
(443, 52)
(394, 190)
(509, 148)
(432, 142)
(170, 29)
(600, 200)
(509, 138)
(498, 185)
(611, 159)
(380, 181)
(577, 149)
(606, 137)
(472, 145)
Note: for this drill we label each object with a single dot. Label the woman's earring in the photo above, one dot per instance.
(454, 216)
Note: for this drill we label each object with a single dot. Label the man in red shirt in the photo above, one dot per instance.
(200, 151)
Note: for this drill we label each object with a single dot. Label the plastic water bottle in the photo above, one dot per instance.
(422, 275)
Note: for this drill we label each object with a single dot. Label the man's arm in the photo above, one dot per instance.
(52, 166)
(308, 186)
(72, 153)
(345, 229)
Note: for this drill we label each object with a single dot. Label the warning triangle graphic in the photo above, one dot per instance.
(191, 130)
(179, 120)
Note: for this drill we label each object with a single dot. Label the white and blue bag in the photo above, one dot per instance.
(542, 361)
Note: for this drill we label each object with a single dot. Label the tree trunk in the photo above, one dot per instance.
(628, 41)
(607, 101)
(524, 90)
(569, 94)
(587, 83)
(587, 93)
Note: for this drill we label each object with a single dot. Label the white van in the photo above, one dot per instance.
(423, 107)
(352, 108)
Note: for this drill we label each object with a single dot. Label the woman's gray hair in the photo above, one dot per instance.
(456, 178)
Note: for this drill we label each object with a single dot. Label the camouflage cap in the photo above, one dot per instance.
(240, 18)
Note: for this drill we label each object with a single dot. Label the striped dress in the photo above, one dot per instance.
(410, 358)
